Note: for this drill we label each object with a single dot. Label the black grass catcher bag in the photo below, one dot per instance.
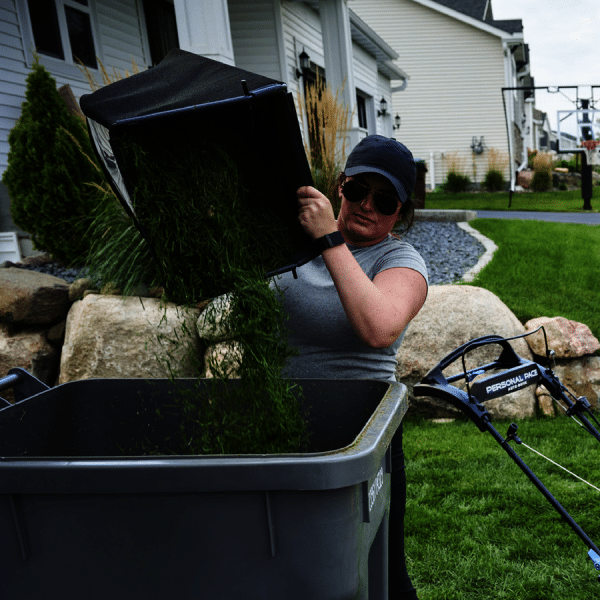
(197, 150)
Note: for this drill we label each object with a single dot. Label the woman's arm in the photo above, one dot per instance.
(378, 310)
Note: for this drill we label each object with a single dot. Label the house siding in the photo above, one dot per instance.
(366, 82)
(454, 91)
(11, 80)
(122, 39)
(301, 31)
(252, 52)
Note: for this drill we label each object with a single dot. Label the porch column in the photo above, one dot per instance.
(337, 45)
(531, 137)
(203, 28)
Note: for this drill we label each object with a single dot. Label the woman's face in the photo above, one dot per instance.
(361, 223)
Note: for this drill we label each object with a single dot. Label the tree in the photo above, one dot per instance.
(53, 178)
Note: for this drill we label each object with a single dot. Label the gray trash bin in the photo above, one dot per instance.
(80, 513)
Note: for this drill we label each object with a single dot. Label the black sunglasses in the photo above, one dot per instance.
(355, 191)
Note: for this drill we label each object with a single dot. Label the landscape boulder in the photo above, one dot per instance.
(453, 315)
(32, 298)
(582, 376)
(27, 349)
(568, 339)
(128, 337)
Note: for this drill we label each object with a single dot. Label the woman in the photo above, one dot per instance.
(348, 309)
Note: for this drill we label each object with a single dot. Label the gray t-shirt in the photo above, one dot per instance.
(329, 348)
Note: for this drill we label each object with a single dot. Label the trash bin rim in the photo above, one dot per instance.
(357, 462)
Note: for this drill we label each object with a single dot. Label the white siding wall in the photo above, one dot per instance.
(122, 38)
(454, 92)
(301, 31)
(384, 123)
(365, 80)
(255, 37)
(12, 88)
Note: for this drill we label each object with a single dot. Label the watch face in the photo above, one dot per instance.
(335, 239)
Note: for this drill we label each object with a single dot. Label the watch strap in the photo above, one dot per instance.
(329, 240)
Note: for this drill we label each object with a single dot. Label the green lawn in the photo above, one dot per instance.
(477, 528)
(544, 269)
(568, 201)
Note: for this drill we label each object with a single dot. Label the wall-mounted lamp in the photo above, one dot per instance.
(477, 146)
(304, 60)
(382, 108)
(396, 124)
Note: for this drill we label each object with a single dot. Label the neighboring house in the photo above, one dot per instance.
(538, 134)
(567, 141)
(269, 37)
(459, 59)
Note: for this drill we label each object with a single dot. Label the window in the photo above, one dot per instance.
(62, 29)
(361, 111)
(162, 28)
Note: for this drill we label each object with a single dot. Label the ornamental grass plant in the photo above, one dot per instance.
(456, 181)
(328, 122)
(497, 163)
(543, 163)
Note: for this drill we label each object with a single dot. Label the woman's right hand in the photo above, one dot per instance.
(316, 213)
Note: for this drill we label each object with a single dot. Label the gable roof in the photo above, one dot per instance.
(473, 8)
(510, 26)
(477, 13)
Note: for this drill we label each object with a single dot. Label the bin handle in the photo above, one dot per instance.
(8, 382)
(24, 384)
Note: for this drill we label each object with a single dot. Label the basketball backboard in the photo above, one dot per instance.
(575, 127)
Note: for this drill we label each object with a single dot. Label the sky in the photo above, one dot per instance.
(564, 46)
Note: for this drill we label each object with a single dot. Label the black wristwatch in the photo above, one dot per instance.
(329, 241)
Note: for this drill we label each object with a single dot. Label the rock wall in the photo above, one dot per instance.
(128, 337)
(61, 332)
(33, 309)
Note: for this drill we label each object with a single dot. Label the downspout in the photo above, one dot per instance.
(400, 88)
(432, 169)
(508, 118)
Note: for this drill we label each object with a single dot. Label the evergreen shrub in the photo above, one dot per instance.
(494, 181)
(456, 182)
(543, 163)
(53, 179)
(542, 181)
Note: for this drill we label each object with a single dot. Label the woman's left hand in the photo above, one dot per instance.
(316, 213)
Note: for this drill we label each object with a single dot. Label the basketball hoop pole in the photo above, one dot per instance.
(586, 167)
(586, 174)
(586, 183)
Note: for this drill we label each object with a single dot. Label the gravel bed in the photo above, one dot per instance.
(52, 268)
(449, 251)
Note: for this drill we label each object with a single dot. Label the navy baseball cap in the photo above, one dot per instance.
(388, 157)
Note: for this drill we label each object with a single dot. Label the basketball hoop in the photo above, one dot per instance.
(591, 151)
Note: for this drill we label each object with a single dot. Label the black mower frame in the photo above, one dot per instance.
(516, 374)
